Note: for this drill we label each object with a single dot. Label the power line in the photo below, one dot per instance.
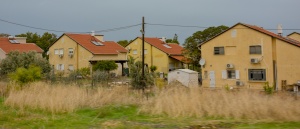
(168, 25)
(38, 28)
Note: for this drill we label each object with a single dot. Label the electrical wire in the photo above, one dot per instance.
(38, 28)
(168, 25)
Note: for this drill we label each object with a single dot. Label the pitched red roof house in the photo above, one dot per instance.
(7, 46)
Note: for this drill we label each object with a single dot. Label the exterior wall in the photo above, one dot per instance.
(2, 54)
(80, 57)
(295, 36)
(153, 56)
(236, 43)
(288, 61)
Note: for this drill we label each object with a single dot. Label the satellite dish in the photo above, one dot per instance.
(202, 61)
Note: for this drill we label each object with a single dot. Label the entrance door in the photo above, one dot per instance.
(212, 82)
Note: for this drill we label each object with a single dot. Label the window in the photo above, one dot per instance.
(230, 74)
(255, 49)
(71, 67)
(97, 43)
(257, 74)
(56, 51)
(145, 51)
(60, 67)
(134, 51)
(167, 46)
(71, 51)
(61, 51)
(219, 50)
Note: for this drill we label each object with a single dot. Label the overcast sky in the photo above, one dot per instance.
(88, 15)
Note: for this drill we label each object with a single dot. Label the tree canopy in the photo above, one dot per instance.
(43, 41)
(174, 40)
(191, 43)
(123, 42)
(16, 60)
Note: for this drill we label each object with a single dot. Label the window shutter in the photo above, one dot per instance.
(57, 67)
(224, 74)
(62, 67)
(237, 74)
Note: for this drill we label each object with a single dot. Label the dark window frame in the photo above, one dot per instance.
(219, 50)
(231, 74)
(257, 74)
(256, 49)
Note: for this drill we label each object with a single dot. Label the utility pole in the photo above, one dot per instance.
(143, 49)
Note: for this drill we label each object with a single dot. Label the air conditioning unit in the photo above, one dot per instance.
(70, 55)
(239, 83)
(229, 66)
(254, 60)
(61, 55)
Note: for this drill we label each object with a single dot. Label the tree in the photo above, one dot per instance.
(174, 40)
(105, 65)
(191, 43)
(43, 41)
(123, 42)
(4, 35)
(135, 69)
(15, 60)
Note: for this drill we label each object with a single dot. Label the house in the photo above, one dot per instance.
(295, 36)
(166, 56)
(8, 44)
(248, 56)
(74, 51)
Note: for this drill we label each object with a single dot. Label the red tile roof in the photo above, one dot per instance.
(286, 39)
(109, 47)
(181, 58)
(174, 49)
(7, 46)
(259, 29)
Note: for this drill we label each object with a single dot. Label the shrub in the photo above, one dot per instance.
(268, 89)
(105, 65)
(16, 60)
(23, 75)
(85, 71)
(153, 68)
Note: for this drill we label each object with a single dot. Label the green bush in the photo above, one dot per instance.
(105, 65)
(15, 60)
(85, 71)
(268, 89)
(23, 75)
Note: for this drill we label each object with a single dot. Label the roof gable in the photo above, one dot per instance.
(261, 30)
(7, 46)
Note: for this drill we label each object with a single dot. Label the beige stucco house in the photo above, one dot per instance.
(74, 51)
(166, 56)
(248, 56)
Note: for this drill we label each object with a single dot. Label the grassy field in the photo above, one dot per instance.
(42, 105)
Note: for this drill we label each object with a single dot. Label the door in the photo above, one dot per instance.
(212, 81)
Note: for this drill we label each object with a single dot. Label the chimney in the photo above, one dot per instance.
(163, 39)
(279, 29)
(93, 33)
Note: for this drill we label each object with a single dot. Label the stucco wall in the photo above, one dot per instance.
(288, 62)
(2, 54)
(80, 57)
(236, 44)
(184, 77)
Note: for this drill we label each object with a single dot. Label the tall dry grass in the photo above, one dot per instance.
(174, 102)
(66, 98)
(197, 102)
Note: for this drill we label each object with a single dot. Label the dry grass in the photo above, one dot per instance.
(196, 102)
(62, 98)
(172, 101)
